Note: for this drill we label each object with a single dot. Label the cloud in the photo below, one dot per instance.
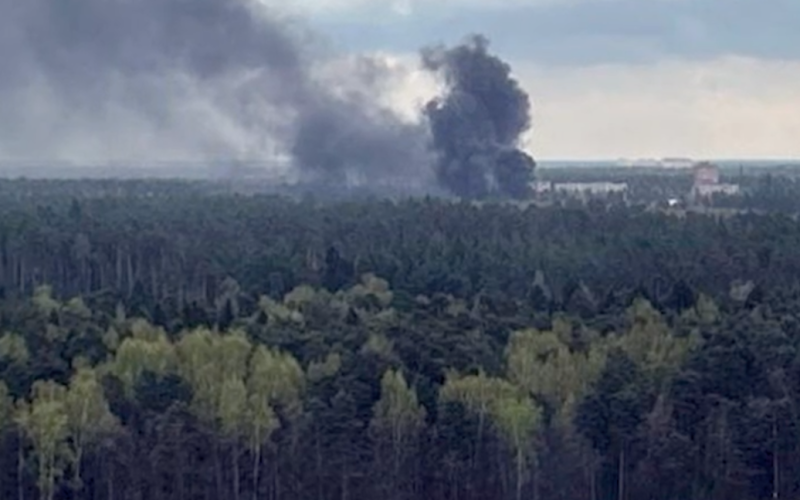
(208, 80)
(607, 78)
(577, 32)
(348, 7)
(612, 78)
(729, 107)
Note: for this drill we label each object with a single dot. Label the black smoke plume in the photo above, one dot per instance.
(477, 125)
(210, 81)
(186, 80)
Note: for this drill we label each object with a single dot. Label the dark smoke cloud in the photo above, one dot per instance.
(478, 124)
(95, 80)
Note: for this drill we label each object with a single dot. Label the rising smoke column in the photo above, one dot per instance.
(205, 80)
(477, 125)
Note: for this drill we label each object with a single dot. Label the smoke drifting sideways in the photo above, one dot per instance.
(478, 124)
(207, 81)
(211, 81)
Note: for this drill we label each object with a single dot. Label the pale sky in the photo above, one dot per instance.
(613, 78)
(203, 80)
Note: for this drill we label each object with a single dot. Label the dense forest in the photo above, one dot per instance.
(169, 340)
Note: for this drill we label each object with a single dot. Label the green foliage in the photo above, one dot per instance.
(277, 375)
(45, 421)
(6, 408)
(142, 353)
(44, 302)
(398, 411)
(89, 418)
(652, 344)
(13, 349)
(542, 364)
(318, 371)
(212, 364)
(213, 346)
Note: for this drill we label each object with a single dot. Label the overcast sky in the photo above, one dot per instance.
(615, 78)
(97, 80)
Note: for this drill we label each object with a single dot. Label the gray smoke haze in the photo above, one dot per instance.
(99, 81)
(103, 80)
(478, 124)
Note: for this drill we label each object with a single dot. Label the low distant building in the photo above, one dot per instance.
(709, 190)
(669, 162)
(707, 183)
(644, 163)
(542, 187)
(706, 173)
(677, 163)
(591, 188)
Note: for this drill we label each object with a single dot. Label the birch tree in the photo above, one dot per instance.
(89, 417)
(6, 414)
(215, 365)
(543, 365)
(398, 418)
(45, 422)
(518, 419)
(136, 355)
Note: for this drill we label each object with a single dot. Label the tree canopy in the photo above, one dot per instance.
(169, 342)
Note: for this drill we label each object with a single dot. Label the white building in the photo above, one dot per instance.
(541, 187)
(709, 190)
(677, 163)
(707, 182)
(591, 188)
(670, 162)
(706, 174)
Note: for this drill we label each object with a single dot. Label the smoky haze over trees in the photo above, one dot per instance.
(218, 80)
(206, 78)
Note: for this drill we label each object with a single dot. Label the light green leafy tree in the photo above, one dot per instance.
(279, 377)
(398, 419)
(89, 417)
(233, 421)
(43, 300)
(149, 351)
(215, 367)
(327, 368)
(45, 422)
(518, 419)
(14, 349)
(543, 365)
(273, 379)
(651, 343)
(6, 412)
(507, 408)
(197, 364)
(479, 394)
(207, 360)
